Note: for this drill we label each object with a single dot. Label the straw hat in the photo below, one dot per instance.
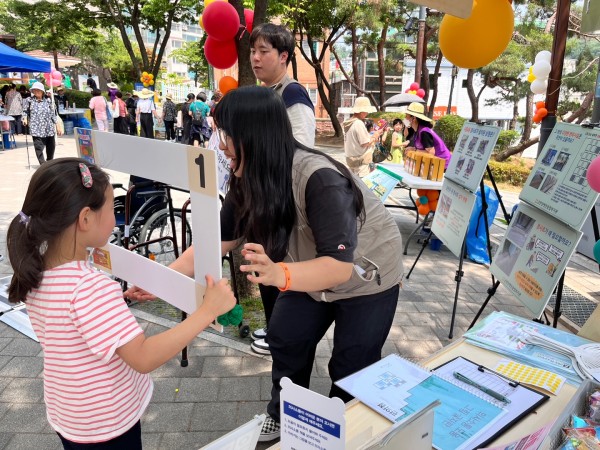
(112, 85)
(169, 97)
(37, 85)
(145, 93)
(417, 110)
(363, 104)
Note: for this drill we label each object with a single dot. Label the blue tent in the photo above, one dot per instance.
(12, 60)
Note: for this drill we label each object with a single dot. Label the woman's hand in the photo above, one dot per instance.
(260, 268)
(138, 294)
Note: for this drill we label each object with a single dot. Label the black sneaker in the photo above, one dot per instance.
(270, 430)
(261, 347)
(261, 333)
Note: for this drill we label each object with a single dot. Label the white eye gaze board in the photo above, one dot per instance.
(186, 167)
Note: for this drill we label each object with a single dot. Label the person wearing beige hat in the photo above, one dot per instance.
(358, 143)
(169, 115)
(144, 112)
(424, 139)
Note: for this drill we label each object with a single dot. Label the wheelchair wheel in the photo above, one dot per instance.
(159, 226)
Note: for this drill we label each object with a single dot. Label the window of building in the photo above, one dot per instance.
(307, 49)
(464, 83)
(433, 81)
(314, 95)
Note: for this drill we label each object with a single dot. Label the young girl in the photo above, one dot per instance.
(398, 142)
(96, 357)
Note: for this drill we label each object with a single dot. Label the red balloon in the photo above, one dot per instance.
(220, 54)
(414, 86)
(221, 21)
(421, 93)
(249, 17)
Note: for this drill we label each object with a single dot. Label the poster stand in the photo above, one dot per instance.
(459, 272)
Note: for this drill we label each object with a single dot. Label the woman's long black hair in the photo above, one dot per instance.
(54, 199)
(256, 120)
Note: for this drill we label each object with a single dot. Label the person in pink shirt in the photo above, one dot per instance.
(99, 105)
(96, 357)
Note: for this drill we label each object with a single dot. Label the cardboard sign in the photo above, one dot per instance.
(187, 167)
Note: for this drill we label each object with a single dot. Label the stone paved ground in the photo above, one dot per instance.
(225, 384)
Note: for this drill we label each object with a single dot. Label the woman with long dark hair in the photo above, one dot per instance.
(312, 230)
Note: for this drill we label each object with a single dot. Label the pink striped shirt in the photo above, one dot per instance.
(80, 318)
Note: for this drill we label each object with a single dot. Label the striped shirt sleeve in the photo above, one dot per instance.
(101, 315)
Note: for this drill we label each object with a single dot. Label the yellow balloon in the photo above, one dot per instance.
(145, 74)
(477, 41)
(208, 2)
(531, 77)
(530, 69)
(200, 23)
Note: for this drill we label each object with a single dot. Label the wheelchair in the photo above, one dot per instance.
(146, 221)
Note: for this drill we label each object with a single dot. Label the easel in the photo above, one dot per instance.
(459, 272)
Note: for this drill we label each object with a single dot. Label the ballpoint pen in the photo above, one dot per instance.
(488, 391)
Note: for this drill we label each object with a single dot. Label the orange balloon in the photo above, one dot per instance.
(227, 83)
(422, 192)
(477, 41)
(537, 119)
(423, 209)
(200, 23)
(433, 195)
(433, 204)
(542, 112)
(539, 105)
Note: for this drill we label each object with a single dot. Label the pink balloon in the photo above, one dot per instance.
(593, 174)
(56, 75)
(421, 93)
(54, 82)
(414, 86)
(47, 76)
(221, 21)
(249, 17)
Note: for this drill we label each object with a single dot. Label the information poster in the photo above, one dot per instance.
(471, 154)
(557, 183)
(451, 218)
(533, 255)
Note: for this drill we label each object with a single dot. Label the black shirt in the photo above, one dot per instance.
(332, 220)
(92, 83)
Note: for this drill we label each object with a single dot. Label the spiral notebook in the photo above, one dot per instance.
(467, 417)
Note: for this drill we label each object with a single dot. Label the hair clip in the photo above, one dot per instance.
(86, 176)
(24, 218)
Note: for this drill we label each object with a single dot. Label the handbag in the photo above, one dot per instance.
(109, 115)
(381, 153)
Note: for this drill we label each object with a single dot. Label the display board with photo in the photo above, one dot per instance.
(532, 256)
(471, 154)
(451, 218)
(557, 183)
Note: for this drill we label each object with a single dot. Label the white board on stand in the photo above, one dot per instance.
(186, 167)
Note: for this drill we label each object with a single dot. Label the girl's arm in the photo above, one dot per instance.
(307, 276)
(146, 354)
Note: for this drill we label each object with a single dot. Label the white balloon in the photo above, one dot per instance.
(544, 55)
(539, 86)
(541, 69)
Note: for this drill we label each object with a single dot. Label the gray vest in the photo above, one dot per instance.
(378, 256)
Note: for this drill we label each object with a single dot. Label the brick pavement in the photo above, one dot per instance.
(225, 384)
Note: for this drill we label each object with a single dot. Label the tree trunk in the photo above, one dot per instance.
(528, 117)
(354, 56)
(245, 73)
(513, 122)
(454, 75)
(472, 97)
(436, 78)
(381, 62)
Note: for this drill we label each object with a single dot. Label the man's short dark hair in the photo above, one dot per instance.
(277, 35)
(191, 96)
(201, 96)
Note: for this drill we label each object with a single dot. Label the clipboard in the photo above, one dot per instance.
(523, 400)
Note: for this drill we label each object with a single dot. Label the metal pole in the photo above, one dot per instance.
(420, 44)
(554, 79)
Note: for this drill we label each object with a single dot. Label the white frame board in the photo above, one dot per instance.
(187, 167)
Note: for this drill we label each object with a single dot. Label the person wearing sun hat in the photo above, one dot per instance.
(40, 116)
(425, 139)
(112, 90)
(169, 116)
(358, 143)
(144, 112)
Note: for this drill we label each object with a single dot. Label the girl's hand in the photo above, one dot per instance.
(261, 269)
(138, 294)
(218, 298)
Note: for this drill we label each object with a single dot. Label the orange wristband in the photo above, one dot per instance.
(288, 277)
